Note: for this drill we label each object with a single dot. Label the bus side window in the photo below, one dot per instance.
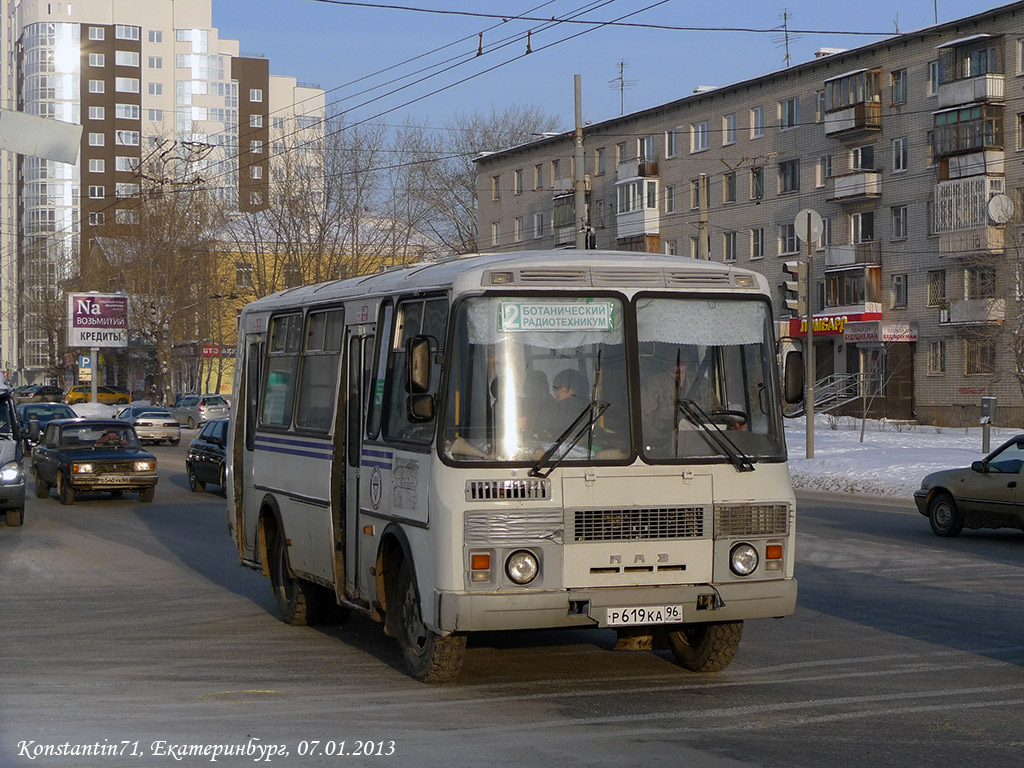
(416, 318)
(282, 369)
(380, 361)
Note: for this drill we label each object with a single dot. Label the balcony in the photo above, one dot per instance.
(960, 216)
(988, 87)
(644, 221)
(974, 312)
(851, 254)
(854, 187)
(866, 116)
(971, 242)
(633, 169)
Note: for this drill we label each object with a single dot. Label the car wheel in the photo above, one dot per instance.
(705, 647)
(429, 657)
(121, 401)
(223, 478)
(65, 492)
(15, 516)
(42, 489)
(146, 495)
(943, 515)
(194, 483)
(174, 442)
(191, 423)
(297, 599)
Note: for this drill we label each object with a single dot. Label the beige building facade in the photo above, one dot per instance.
(907, 148)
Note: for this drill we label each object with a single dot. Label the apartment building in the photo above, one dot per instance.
(901, 146)
(140, 77)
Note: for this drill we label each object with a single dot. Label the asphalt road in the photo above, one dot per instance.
(132, 627)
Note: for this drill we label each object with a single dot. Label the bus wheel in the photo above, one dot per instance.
(705, 647)
(296, 598)
(429, 657)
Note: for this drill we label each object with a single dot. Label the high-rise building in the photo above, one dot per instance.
(141, 77)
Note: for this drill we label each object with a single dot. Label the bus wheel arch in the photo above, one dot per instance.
(298, 600)
(392, 551)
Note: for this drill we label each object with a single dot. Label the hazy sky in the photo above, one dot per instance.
(335, 45)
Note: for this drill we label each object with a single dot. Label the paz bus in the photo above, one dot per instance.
(514, 441)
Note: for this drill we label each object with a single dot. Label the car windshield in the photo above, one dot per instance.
(98, 436)
(525, 369)
(46, 412)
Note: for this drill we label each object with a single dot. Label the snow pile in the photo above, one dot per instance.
(891, 461)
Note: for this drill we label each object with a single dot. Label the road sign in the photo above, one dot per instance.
(800, 223)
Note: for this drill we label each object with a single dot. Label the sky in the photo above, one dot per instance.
(346, 48)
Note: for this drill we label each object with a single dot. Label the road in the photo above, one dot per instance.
(132, 626)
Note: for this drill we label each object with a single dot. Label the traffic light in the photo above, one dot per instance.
(795, 287)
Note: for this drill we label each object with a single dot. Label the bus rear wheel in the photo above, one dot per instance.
(296, 598)
(705, 647)
(429, 657)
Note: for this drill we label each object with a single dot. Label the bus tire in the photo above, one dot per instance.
(429, 657)
(944, 517)
(296, 598)
(705, 647)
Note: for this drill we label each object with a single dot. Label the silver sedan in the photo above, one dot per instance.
(152, 425)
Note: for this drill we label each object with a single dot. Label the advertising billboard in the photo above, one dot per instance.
(97, 320)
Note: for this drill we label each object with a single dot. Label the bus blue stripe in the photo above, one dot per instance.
(381, 464)
(326, 456)
(291, 441)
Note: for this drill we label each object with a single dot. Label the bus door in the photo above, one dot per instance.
(247, 511)
(358, 371)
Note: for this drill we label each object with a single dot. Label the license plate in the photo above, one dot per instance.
(645, 614)
(115, 480)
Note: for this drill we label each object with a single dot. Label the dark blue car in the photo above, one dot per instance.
(89, 456)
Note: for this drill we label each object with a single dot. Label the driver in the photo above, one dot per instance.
(661, 393)
(110, 437)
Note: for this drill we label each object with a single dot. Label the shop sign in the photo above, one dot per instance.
(829, 325)
(876, 331)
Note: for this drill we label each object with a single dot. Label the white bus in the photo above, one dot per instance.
(514, 441)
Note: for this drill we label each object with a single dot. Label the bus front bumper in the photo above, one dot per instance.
(472, 612)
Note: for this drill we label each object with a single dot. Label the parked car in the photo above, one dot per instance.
(988, 494)
(192, 410)
(42, 413)
(39, 393)
(205, 461)
(82, 393)
(152, 424)
(12, 478)
(90, 455)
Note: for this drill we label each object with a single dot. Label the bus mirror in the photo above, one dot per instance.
(417, 355)
(793, 377)
(421, 408)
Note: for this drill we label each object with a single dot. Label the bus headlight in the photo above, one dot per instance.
(743, 559)
(522, 566)
(10, 472)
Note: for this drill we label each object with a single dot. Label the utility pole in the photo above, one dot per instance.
(808, 227)
(578, 177)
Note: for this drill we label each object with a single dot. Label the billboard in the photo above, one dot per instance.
(97, 320)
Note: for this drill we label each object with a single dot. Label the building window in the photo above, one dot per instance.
(155, 115)
(645, 148)
(819, 106)
(255, 121)
(156, 36)
(899, 222)
(729, 130)
(823, 170)
(937, 357)
(97, 113)
(495, 187)
(757, 122)
(936, 288)
(757, 243)
(862, 158)
(789, 176)
(694, 247)
(729, 187)
(256, 172)
(899, 291)
(243, 274)
(729, 246)
(538, 225)
(862, 227)
(495, 234)
(97, 33)
(671, 143)
(255, 198)
(538, 177)
(97, 86)
(126, 111)
(979, 282)
(899, 155)
(156, 62)
(126, 58)
(700, 136)
(125, 32)
(128, 164)
(126, 138)
(517, 182)
(96, 219)
(256, 147)
(97, 60)
(969, 128)
(694, 194)
(96, 140)
(126, 84)
(256, 94)
(97, 192)
(156, 89)
(669, 247)
(517, 229)
(125, 190)
(598, 162)
(899, 86)
(979, 357)
(555, 174)
(756, 183)
(787, 240)
(932, 84)
(97, 166)
(620, 153)
(789, 113)
(670, 199)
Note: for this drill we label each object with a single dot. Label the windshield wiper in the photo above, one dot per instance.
(580, 425)
(714, 434)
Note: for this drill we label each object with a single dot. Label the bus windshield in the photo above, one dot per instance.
(707, 386)
(525, 369)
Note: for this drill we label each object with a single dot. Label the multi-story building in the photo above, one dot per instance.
(142, 78)
(899, 145)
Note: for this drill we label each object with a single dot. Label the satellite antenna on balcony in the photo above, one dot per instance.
(1000, 209)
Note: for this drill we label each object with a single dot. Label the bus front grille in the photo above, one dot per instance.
(638, 524)
(751, 520)
(488, 528)
(508, 490)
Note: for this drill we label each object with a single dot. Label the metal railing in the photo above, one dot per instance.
(839, 389)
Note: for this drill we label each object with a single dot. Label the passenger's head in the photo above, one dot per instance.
(568, 383)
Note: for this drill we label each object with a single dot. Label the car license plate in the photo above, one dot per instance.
(115, 480)
(645, 614)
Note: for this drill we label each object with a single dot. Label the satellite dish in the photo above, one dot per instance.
(1000, 209)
